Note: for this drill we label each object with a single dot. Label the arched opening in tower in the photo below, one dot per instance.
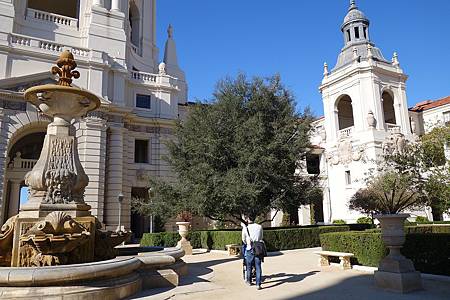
(345, 112)
(134, 19)
(388, 108)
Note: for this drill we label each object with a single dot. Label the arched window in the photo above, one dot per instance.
(345, 112)
(134, 18)
(388, 108)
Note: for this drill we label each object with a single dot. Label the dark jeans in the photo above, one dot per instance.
(251, 259)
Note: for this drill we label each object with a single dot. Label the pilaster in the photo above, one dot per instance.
(3, 164)
(92, 151)
(114, 174)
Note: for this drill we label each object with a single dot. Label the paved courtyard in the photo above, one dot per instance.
(288, 275)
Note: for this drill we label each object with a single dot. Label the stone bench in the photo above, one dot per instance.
(233, 249)
(345, 263)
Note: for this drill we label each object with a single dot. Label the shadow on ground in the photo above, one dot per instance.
(363, 287)
(274, 280)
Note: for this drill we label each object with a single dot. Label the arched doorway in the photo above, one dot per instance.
(22, 156)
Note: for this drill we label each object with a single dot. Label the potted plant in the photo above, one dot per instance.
(183, 230)
(386, 196)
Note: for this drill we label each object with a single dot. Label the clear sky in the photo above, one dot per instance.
(216, 38)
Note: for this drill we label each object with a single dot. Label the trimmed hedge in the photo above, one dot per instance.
(275, 239)
(430, 252)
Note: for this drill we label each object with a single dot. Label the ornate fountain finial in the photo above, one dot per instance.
(66, 64)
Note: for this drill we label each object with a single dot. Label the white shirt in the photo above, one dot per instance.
(256, 234)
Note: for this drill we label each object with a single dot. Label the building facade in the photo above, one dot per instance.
(366, 115)
(121, 144)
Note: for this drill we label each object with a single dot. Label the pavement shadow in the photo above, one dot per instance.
(198, 271)
(363, 287)
(273, 280)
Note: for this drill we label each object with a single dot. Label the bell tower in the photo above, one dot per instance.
(364, 101)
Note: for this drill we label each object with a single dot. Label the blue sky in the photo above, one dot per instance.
(216, 38)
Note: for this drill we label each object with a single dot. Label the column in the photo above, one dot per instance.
(114, 175)
(3, 165)
(115, 5)
(92, 151)
(98, 3)
(14, 198)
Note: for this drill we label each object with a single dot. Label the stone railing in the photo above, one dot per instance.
(23, 163)
(52, 18)
(20, 40)
(346, 132)
(134, 48)
(392, 127)
(143, 76)
(26, 41)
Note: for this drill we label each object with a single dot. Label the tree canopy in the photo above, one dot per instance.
(237, 155)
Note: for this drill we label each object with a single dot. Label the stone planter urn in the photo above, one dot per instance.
(183, 230)
(396, 272)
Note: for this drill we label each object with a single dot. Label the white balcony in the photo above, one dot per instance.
(23, 163)
(392, 127)
(46, 17)
(143, 77)
(346, 132)
(42, 46)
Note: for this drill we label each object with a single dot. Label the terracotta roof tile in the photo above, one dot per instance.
(429, 104)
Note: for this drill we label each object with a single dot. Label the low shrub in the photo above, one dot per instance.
(364, 220)
(422, 220)
(275, 239)
(339, 221)
(429, 251)
(367, 246)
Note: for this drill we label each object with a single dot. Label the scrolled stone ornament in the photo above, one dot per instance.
(66, 64)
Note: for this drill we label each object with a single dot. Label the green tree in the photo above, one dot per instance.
(237, 155)
(415, 177)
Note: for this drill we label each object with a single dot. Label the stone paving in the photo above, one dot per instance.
(288, 275)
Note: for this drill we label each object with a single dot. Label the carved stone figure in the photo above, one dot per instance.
(394, 144)
(52, 240)
(371, 121)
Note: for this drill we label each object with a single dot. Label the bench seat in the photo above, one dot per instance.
(344, 258)
(233, 249)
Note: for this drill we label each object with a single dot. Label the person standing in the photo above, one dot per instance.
(252, 233)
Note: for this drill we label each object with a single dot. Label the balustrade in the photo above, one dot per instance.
(51, 17)
(346, 132)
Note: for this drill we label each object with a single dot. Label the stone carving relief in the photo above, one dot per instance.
(62, 180)
(346, 153)
(394, 144)
(49, 242)
(6, 241)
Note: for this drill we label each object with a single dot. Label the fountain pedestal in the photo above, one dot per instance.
(55, 226)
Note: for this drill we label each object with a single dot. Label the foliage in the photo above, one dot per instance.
(418, 175)
(367, 246)
(364, 220)
(339, 221)
(428, 251)
(237, 155)
(422, 220)
(275, 239)
(387, 193)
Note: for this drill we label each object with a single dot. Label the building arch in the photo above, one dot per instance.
(387, 97)
(24, 149)
(343, 107)
(134, 17)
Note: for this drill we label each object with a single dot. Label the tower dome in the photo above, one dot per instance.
(357, 44)
(354, 15)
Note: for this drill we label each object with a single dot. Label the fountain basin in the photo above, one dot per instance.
(112, 279)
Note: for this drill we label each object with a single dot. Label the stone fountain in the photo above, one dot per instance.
(54, 240)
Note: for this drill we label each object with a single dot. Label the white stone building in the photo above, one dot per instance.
(114, 44)
(365, 114)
